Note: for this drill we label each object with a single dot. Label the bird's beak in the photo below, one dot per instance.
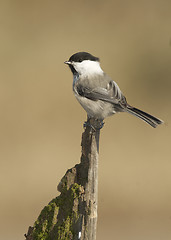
(67, 62)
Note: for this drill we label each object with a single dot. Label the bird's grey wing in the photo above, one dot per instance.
(110, 92)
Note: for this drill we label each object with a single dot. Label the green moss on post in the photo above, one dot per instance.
(56, 221)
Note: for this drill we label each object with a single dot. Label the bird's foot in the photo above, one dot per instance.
(96, 125)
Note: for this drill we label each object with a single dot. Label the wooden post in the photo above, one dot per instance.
(73, 214)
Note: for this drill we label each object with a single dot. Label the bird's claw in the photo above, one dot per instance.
(88, 124)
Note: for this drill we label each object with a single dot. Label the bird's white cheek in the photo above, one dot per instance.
(88, 68)
(77, 67)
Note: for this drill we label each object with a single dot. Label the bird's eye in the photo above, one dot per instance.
(79, 60)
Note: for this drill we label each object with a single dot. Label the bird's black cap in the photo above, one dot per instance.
(81, 56)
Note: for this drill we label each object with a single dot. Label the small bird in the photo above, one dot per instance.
(97, 93)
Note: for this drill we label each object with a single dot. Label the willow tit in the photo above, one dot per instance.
(97, 93)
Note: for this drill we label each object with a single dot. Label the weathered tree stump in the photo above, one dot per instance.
(73, 214)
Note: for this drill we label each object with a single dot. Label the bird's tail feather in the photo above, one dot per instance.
(146, 117)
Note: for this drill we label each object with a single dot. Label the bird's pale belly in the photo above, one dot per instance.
(96, 109)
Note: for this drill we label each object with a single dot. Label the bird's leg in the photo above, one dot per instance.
(95, 124)
(88, 124)
(101, 124)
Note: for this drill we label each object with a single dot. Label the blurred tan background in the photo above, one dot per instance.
(41, 122)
